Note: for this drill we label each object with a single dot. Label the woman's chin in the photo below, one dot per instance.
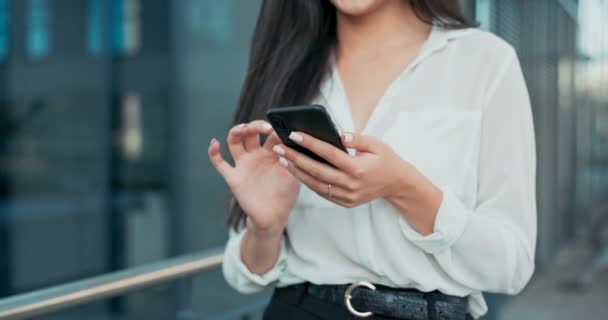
(357, 7)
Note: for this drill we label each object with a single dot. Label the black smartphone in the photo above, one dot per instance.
(313, 120)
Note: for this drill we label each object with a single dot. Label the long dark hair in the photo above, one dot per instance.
(290, 53)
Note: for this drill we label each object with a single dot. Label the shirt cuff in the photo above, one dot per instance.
(251, 282)
(450, 223)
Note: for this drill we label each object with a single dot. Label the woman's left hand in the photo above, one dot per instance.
(375, 171)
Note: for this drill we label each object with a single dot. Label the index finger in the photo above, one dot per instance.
(272, 140)
(251, 136)
(327, 151)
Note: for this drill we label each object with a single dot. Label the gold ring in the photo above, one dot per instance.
(330, 188)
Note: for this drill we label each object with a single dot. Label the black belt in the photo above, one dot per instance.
(361, 300)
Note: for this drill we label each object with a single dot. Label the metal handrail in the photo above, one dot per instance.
(25, 306)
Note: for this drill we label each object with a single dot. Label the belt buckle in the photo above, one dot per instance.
(348, 296)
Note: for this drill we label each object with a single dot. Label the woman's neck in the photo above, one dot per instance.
(393, 26)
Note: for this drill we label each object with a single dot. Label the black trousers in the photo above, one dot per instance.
(294, 304)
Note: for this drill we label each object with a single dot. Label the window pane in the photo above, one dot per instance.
(106, 111)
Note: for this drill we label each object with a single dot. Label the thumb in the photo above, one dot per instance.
(360, 142)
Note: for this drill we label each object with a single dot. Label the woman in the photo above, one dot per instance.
(434, 204)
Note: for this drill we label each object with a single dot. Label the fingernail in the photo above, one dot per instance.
(212, 140)
(283, 162)
(348, 137)
(241, 126)
(266, 126)
(296, 137)
(278, 150)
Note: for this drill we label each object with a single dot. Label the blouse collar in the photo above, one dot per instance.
(437, 40)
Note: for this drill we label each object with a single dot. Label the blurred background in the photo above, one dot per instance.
(107, 108)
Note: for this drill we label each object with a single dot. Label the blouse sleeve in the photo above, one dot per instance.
(238, 275)
(491, 247)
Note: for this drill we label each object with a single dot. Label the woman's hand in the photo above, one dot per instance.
(264, 189)
(374, 172)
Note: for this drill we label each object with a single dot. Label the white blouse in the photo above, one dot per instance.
(460, 113)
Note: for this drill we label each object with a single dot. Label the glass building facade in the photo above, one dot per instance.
(107, 108)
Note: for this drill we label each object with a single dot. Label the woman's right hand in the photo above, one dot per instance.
(263, 187)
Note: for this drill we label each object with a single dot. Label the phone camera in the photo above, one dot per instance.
(278, 123)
